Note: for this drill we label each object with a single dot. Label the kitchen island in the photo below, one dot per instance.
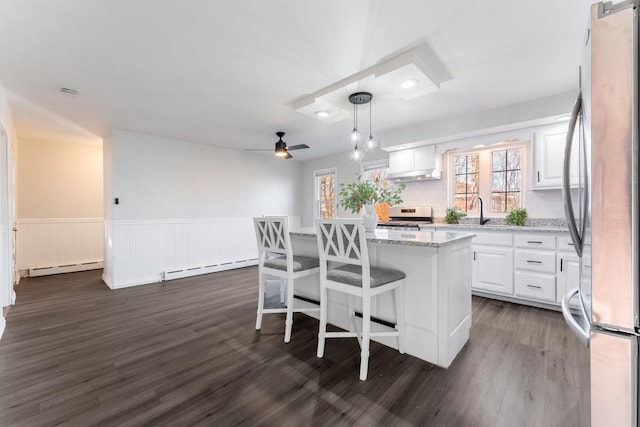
(437, 288)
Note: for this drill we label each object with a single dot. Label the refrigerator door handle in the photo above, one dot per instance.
(566, 179)
(574, 325)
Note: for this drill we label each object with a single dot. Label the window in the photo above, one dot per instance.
(494, 175)
(466, 168)
(325, 193)
(506, 180)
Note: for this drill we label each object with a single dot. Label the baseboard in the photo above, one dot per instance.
(515, 300)
(196, 271)
(71, 268)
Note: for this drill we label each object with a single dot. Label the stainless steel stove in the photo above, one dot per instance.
(407, 218)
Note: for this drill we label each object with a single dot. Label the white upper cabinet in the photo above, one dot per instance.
(548, 157)
(413, 159)
(400, 161)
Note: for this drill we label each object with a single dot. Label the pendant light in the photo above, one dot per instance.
(372, 143)
(355, 137)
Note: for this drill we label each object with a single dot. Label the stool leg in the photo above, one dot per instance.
(399, 297)
(289, 320)
(260, 301)
(323, 320)
(366, 328)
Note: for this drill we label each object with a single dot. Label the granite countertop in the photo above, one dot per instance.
(501, 227)
(434, 239)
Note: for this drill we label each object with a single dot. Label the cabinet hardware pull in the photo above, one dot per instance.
(534, 261)
(534, 286)
(538, 176)
(534, 241)
(570, 244)
(561, 264)
(474, 255)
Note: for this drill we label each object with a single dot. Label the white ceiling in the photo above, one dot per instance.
(226, 72)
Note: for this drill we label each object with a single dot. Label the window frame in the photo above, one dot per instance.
(316, 190)
(485, 171)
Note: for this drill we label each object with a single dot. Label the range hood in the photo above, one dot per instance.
(414, 164)
(416, 175)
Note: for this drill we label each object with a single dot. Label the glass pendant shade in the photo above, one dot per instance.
(357, 155)
(355, 137)
(371, 144)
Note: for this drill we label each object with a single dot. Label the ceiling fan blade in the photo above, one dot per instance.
(297, 147)
(288, 156)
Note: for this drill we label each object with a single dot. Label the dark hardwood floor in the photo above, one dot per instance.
(186, 353)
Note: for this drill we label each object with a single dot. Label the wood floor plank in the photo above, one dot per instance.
(186, 352)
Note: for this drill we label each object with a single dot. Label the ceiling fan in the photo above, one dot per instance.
(281, 149)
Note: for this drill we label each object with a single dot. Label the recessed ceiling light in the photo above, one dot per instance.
(322, 114)
(69, 92)
(408, 84)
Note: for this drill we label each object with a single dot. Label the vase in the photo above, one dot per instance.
(370, 218)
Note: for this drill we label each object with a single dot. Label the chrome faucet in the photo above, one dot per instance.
(482, 220)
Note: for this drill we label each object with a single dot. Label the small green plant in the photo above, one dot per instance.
(453, 215)
(516, 216)
(355, 194)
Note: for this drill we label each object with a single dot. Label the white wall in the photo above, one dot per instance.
(7, 193)
(59, 180)
(184, 205)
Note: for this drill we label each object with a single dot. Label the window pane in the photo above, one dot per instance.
(461, 202)
(472, 183)
(513, 159)
(473, 163)
(513, 200)
(326, 210)
(327, 187)
(513, 180)
(498, 181)
(499, 160)
(497, 202)
(460, 164)
(461, 184)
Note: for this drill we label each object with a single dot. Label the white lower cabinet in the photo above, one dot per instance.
(492, 269)
(568, 275)
(536, 268)
(539, 286)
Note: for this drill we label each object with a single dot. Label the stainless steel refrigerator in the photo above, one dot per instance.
(603, 217)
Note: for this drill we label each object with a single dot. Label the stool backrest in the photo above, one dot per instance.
(272, 234)
(342, 240)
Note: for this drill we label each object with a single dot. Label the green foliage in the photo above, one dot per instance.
(453, 215)
(355, 194)
(516, 216)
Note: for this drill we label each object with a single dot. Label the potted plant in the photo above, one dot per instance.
(453, 215)
(359, 194)
(516, 216)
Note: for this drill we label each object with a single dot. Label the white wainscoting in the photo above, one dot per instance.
(50, 246)
(152, 251)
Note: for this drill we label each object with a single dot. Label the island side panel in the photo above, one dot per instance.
(455, 300)
(420, 264)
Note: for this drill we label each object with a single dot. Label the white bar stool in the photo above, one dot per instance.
(275, 258)
(343, 241)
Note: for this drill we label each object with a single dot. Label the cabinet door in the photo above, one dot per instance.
(400, 161)
(424, 157)
(549, 146)
(492, 269)
(568, 274)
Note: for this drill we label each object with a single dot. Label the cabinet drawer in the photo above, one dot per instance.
(535, 241)
(535, 285)
(493, 239)
(565, 244)
(542, 261)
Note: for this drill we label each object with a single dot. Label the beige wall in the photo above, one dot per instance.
(59, 180)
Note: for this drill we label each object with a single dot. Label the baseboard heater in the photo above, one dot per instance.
(68, 268)
(206, 269)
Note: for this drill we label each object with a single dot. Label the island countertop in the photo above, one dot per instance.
(434, 239)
